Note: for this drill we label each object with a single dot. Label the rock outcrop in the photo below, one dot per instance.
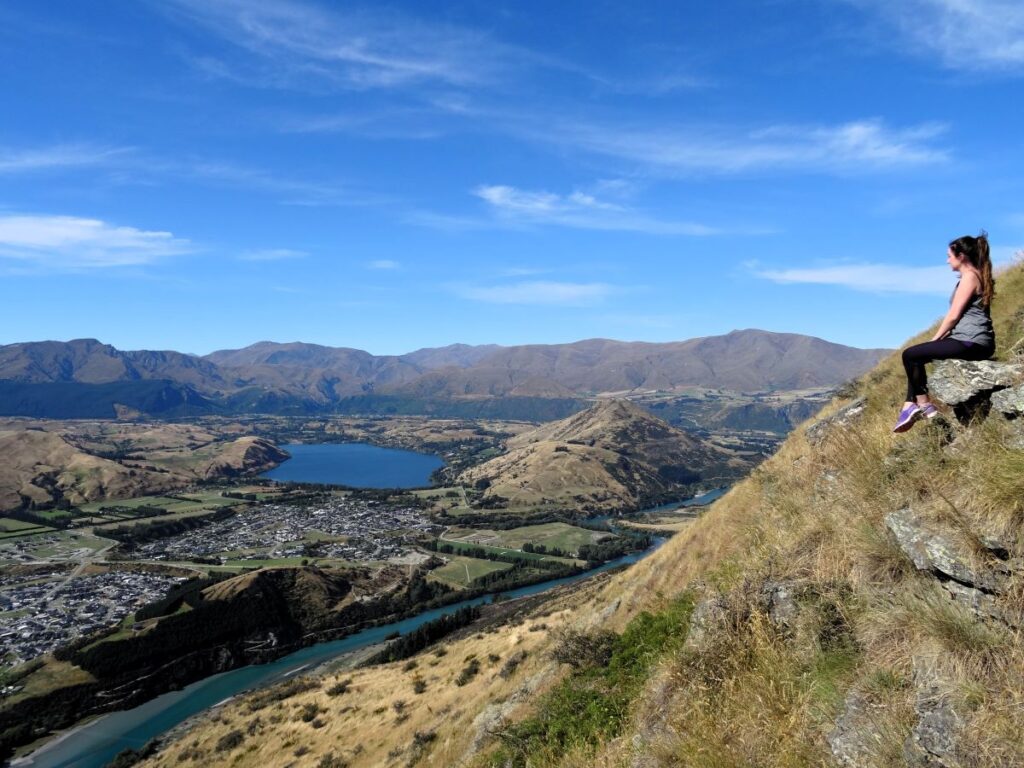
(973, 573)
(858, 731)
(1009, 402)
(969, 386)
(934, 741)
(843, 418)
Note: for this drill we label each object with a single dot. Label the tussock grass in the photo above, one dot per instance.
(759, 692)
(751, 700)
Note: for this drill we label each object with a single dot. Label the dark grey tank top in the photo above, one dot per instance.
(975, 325)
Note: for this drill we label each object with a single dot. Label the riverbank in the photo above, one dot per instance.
(168, 710)
(95, 744)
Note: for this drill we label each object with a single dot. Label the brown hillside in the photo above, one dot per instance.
(857, 605)
(42, 466)
(614, 455)
(317, 375)
(33, 464)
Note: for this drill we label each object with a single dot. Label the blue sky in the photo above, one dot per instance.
(204, 174)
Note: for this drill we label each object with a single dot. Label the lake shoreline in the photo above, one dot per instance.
(355, 465)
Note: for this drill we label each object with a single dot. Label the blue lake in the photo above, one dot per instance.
(356, 465)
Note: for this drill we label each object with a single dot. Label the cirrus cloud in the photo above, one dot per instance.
(873, 278)
(967, 35)
(272, 254)
(59, 156)
(547, 292)
(577, 210)
(72, 242)
(855, 146)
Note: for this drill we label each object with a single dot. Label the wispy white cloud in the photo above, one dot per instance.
(968, 35)
(856, 146)
(384, 264)
(687, 148)
(290, 190)
(70, 242)
(58, 156)
(290, 42)
(579, 210)
(131, 166)
(523, 271)
(447, 222)
(539, 292)
(873, 278)
(880, 278)
(402, 123)
(272, 254)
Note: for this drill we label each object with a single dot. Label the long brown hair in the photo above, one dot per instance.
(975, 250)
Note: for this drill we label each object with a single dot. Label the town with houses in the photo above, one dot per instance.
(46, 614)
(41, 610)
(368, 529)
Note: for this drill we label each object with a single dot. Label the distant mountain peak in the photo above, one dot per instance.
(302, 377)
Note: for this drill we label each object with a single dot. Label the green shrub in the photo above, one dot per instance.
(308, 712)
(339, 688)
(229, 741)
(593, 703)
(468, 672)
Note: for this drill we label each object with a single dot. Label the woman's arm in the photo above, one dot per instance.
(961, 300)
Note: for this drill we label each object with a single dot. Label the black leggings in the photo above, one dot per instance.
(916, 356)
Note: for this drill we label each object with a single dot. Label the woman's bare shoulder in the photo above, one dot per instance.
(970, 279)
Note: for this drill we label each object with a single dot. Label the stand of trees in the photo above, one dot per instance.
(609, 549)
(480, 553)
(425, 635)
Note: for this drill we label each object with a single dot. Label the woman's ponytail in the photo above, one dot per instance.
(984, 265)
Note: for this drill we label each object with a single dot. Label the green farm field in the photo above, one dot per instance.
(10, 528)
(61, 545)
(460, 571)
(568, 538)
(10, 524)
(193, 503)
(465, 546)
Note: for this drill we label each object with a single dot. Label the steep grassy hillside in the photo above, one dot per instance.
(857, 601)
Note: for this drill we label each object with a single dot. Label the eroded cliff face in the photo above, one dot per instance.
(855, 602)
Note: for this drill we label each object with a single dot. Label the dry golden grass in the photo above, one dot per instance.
(758, 693)
(375, 722)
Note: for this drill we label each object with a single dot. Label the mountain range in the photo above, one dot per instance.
(87, 378)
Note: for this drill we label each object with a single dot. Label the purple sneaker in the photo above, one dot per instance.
(907, 417)
(929, 411)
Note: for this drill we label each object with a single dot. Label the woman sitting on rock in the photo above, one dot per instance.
(965, 333)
